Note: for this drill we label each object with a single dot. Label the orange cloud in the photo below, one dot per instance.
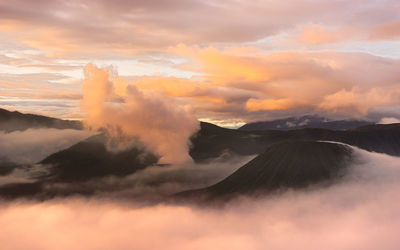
(297, 80)
(171, 86)
(317, 34)
(386, 31)
(356, 101)
(223, 67)
(253, 105)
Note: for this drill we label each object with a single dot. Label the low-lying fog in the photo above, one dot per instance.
(32, 145)
(362, 211)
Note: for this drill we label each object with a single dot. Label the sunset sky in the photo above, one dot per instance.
(228, 62)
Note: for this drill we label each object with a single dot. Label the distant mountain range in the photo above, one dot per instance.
(212, 141)
(308, 121)
(13, 121)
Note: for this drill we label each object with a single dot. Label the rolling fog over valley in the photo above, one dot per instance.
(362, 203)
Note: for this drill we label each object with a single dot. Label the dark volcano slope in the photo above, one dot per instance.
(211, 141)
(290, 164)
(13, 121)
(6, 167)
(90, 158)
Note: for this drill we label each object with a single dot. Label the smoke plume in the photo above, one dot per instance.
(157, 121)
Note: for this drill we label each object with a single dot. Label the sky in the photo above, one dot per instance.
(227, 62)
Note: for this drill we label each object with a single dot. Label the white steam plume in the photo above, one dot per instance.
(159, 122)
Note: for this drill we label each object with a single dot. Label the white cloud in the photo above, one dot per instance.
(389, 120)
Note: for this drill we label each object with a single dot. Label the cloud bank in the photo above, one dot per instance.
(81, 26)
(248, 84)
(360, 212)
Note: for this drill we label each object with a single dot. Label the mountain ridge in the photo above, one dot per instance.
(211, 141)
(16, 121)
(307, 121)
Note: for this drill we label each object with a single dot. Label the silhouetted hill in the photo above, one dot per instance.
(212, 141)
(68, 170)
(18, 190)
(90, 158)
(6, 166)
(289, 164)
(308, 121)
(12, 121)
